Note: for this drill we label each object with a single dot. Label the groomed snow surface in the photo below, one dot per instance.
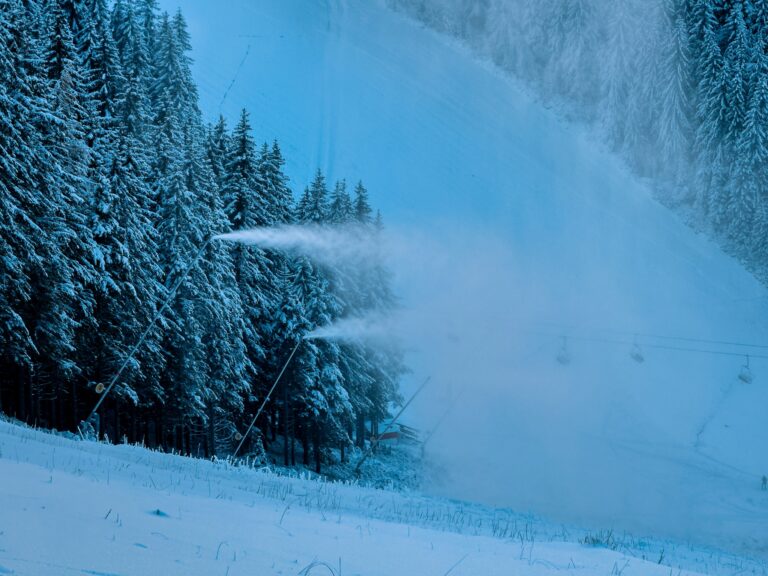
(70, 507)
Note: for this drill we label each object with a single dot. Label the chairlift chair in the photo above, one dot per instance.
(563, 357)
(636, 353)
(745, 374)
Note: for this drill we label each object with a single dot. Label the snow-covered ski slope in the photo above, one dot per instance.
(81, 508)
(530, 239)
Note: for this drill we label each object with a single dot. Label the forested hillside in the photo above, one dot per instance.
(678, 87)
(111, 185)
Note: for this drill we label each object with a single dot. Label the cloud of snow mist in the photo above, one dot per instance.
(600, 439)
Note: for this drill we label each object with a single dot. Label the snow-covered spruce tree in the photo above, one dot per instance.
(573, 43)
(181, 232)
(102, 96)
(362, 206)
(125, 290)
(278, 195)
(25, 208)
(246, 208)
(738, 60)
(747, 225)
(63, 299)
(222, 309)
(278, 201)
(133, 52)
(312, 207)
(710, 103)
(325, 413)
(674, 124)
(321, 401)
(341, 212)
(217, 149)
(615, 84)
(288, 328)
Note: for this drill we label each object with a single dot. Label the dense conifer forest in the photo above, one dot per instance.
(111, 183)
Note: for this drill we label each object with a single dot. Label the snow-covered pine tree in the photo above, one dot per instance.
(278, 194)
(674, 125)
(322, 403)
(133, 186)
(362, 206)
(313, 205)
(246, 207)
(182, 233)
(132, 49)
(65, 298)
(218, 151)
(710, 105)
(738, 60)
(224, 329)
(747, 225)
(35, 270)
(341, 211)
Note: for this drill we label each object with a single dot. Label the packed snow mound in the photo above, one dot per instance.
(538, 273)
(72, 507)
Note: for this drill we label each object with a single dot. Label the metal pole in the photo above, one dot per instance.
(375, 441)
(442, 419)
(148, 329)
(266, 399)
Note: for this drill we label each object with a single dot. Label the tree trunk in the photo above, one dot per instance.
(316, 447)
(211, 444)
(134, 424)
(305, 446)
(117, 439)
(360, 433)
(61, 415)
(160, 429)
(22, 391)
(274, 423)
(73, 404)
(286, 431)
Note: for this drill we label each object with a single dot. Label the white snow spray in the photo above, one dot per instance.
(373, 328)
(337, 244)
(348, 246)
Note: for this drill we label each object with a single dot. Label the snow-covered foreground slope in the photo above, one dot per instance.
(69, 507)
(515, 236)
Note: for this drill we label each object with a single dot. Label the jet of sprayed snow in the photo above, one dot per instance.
(330, 245)
(372, 328)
